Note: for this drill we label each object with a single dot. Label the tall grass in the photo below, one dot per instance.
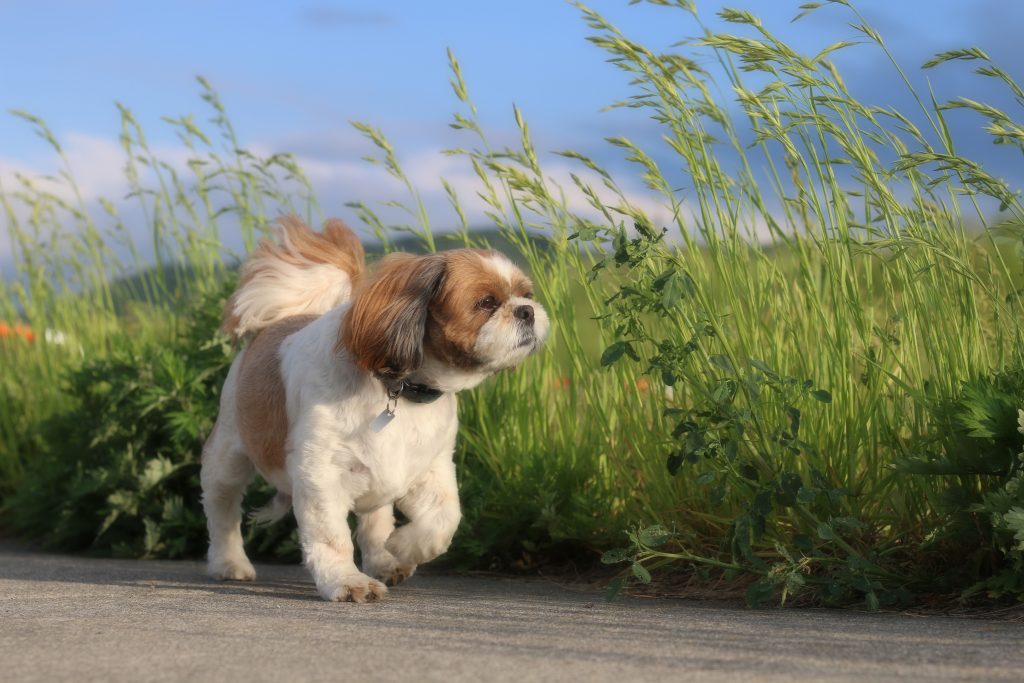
(821, 248)
(86, 283)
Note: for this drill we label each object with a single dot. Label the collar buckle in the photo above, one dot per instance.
(394, 392)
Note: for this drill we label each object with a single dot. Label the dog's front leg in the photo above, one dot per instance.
(375, 527)
(432, 506)
(322, 516)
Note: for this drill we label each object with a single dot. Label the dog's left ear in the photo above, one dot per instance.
(384, 327)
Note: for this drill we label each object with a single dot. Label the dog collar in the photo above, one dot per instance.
(419, 393)
(410, 391)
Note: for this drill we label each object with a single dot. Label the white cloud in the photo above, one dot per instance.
(98, 166)
(338, 181)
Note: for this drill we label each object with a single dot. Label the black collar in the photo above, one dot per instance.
(412, 392)
(419, 393)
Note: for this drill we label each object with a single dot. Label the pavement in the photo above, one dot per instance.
(75, 619)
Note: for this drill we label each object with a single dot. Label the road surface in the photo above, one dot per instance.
(72, 619)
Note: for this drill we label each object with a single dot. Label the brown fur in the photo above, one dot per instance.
(417, 302)
(383, 329)
(455, 318)
(262, 419)
(300, 246)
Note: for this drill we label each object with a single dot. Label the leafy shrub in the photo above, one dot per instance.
(741, 431)
(867, 282)
(975, 464)
(120, 472)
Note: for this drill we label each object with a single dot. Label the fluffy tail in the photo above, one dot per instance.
(273, 511)
(303, 272)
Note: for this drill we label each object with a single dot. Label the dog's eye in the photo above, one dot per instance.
(528, 295)
(488, 303)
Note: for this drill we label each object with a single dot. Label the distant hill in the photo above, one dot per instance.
(412, 244)
(139, 286)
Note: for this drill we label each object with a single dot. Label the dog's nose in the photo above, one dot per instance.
(524, 313)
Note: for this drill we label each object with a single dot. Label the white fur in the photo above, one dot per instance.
(280, 290)
(500, 264)
(337, 464)
(274, 511)
(503, 348)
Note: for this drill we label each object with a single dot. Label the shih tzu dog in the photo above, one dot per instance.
(343, 398)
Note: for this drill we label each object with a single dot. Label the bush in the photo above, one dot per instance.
(974, 461)
(119, 473)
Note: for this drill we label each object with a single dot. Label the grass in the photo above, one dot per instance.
(734, 391)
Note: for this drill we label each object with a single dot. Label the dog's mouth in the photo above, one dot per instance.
(527, 338)
(527, 347)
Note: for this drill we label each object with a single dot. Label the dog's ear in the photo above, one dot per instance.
(383, 329)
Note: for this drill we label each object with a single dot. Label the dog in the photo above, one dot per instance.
(343, 397)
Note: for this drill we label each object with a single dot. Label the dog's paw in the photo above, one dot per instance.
(356, 587)
(413, 545)
(231, 570)
(396, 574)
(388, 569)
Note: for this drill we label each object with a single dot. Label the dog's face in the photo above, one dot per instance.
(467, 310)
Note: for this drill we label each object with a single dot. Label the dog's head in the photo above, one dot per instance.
(464, 312)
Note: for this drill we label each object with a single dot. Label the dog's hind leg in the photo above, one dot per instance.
(226, 471)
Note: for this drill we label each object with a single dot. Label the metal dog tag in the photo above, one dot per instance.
(382, 420)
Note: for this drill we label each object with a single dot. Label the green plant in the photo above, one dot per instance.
(973, 458)
(119, 471)
(84, 280)
(742, 431)
(866, 282)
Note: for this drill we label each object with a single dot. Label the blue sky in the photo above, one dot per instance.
(293, 74)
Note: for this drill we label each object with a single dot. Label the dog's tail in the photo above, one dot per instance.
(273, 511)
(303, 272)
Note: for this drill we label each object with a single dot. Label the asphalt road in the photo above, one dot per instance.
(72, 619)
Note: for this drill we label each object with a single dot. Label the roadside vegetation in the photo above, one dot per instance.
(808, 379)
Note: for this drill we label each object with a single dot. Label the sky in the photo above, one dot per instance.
(294, 74)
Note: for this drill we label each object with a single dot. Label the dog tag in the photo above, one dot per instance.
(382, 420)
